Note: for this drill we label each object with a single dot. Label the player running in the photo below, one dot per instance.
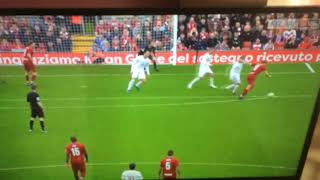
(204, 69)
(169, 167)
(139, 68)
(28, 64)
(251, 78)
(132, 173)
(77, 153)
(33, 99)
(234, 75)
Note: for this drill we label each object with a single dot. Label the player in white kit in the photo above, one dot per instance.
(131, 174)
(205, 63)
(139, 68)
(234, 75)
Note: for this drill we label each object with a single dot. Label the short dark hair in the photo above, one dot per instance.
(132, 166)
(29, 43)
(73, 139)
(170, 153)
(33, 87)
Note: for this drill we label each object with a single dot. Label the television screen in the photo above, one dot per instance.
(169, 96)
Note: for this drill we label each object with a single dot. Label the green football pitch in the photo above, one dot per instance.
(212, 133)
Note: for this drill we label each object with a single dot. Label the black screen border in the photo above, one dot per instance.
(189, 11)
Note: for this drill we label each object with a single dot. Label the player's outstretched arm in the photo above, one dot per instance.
(178, 171)
(160, 173)
(86, 154)
(67, 158)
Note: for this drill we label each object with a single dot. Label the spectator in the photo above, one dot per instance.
(140, 42)
(292, 21)
(235, 42)
(5, 46)
(106, 46)
(289, 33)
(305, 43)
(115, 44)
(263, 37)
(291, 44)
(38, 34)
(223, 46)
(257, 45)
(59, 46)
(247, 34)
(269, 45)
(278, 41)
(18, 44)
(213, 40)
(304, 22)
(65, 38)
(192, 27)
(317, 43)
(315, 21)
(50, 47)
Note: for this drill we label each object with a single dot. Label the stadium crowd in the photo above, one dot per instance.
(131, 33)
(249, 31)
(48, 32)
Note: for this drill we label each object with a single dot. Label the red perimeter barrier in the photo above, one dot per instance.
(183, 58)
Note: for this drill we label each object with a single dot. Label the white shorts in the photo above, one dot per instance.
(235, 78)
(204, 70)
(140, 74)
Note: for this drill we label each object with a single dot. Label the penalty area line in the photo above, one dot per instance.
(310, 68)
(156, 163)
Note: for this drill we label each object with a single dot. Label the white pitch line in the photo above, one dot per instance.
(310, 68)
(112, 75)
(140, 98)
(154, 105)
(155, 163)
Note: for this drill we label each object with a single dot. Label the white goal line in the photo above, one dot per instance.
(156, 164)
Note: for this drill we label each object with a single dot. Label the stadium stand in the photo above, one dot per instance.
(102, 34)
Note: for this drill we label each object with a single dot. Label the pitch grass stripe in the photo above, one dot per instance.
(155, 105)
(127, 74)
(135, 98)
(156, 163)
(310, 68)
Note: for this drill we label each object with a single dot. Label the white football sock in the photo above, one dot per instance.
(194, 81)
(139, 83)
(230, 86)
(131, 83)
(235, 88)
(211, 81)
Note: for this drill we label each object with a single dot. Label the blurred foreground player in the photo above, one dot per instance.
(252, 76)
(28, 64)
(169, 167)
(36, 108)
(77, 153)
(132, 173)
(234, 75)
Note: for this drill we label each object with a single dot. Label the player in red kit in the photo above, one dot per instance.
(252, 76)
(28, 63)
(78, 155)
(169, 167)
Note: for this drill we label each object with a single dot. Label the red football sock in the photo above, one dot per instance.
(27, 77)
(245, 92)
(33, 77)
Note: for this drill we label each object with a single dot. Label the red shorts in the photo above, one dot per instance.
(251, 79)
(29, 66)
(81, 166)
